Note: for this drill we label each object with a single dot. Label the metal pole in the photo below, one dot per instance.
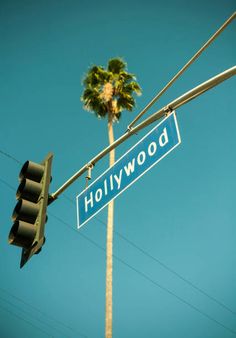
(190, 95)
(180, 72)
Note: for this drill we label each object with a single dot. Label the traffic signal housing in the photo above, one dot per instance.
(29, 215)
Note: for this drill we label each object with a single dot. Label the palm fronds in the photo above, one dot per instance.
(110, 90)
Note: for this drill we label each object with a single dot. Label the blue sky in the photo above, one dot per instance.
(174, 245)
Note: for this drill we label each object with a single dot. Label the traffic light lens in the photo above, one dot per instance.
(29, 190)
(25, 211)
(22, 234)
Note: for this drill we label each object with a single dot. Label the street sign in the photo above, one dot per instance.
(154, 146)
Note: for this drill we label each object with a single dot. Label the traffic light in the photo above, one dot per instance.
(29, 215)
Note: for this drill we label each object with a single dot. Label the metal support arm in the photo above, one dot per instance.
(190, 95)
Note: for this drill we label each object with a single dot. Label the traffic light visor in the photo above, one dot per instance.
(31, 170)
(25, 211)
(29, 190)
(22, 234)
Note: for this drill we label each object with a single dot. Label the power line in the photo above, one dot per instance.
(148, 278)
(9, 156)
(26, 321)
(31, 306)
(30, 315)
(170, 270)
(42, 313)
(176, 296)
(80, 233)
(7, 184)
(165, 266)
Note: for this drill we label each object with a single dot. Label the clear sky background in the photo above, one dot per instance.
(174, 245)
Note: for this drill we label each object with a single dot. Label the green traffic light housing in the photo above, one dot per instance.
(29, 215)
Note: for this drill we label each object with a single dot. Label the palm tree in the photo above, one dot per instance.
(107, 92)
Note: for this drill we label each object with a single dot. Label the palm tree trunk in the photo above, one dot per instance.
(110, 218)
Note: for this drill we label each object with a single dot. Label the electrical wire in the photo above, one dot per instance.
(11, 157)
(144, 252)
(7, 184)
(44, 314)
(165, 266)
(26, 321)
(142, 274)
(31, 306)
(147, 277)
(17, 298)
(31, 315)
(41, 313)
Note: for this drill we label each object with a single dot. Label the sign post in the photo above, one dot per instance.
(154, 146)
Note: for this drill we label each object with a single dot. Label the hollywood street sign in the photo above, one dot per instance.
(161, 140)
